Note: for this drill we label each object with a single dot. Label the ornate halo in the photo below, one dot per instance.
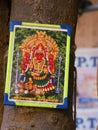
(36, 39)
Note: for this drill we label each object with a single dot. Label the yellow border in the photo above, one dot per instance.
(66, 79)
(10, 53)
(35, 104)
(41, 25)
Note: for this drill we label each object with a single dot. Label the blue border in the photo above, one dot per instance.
(65, 104)
(12, 23)
(68, 27)
(7, 102)
(85, 100)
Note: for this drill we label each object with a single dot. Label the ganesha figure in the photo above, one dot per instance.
(39, 53)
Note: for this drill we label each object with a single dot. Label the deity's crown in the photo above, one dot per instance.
(40, 40)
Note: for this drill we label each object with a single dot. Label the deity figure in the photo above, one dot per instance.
(38, 64)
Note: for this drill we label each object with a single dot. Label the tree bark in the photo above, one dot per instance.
(4, 22)
(25, 118)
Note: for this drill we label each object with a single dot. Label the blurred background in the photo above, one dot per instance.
(87, 65)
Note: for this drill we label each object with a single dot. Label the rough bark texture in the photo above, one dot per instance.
(4, 13)
(44, 11)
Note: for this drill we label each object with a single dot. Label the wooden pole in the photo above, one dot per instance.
(44, 11)
(4, 23)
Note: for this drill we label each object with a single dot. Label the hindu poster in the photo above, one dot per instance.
(38, 65)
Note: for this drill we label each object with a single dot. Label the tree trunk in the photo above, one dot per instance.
(4, 22)
(25, 118)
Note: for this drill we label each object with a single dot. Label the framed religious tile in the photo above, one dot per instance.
(38, 65)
